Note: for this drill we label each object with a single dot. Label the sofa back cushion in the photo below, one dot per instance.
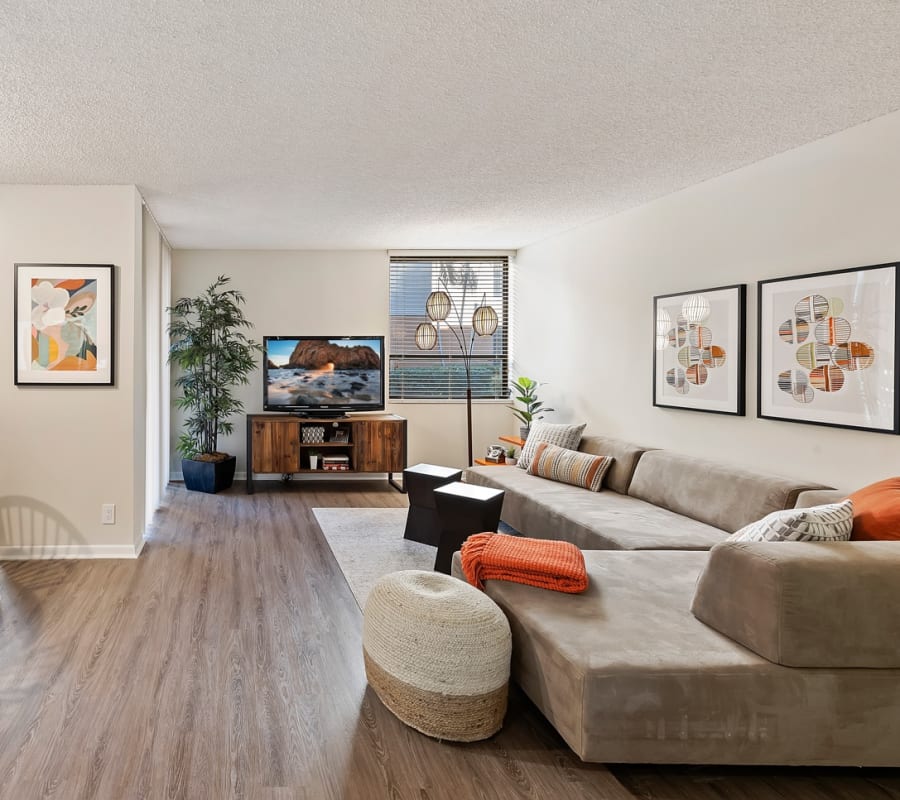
(806, 604)
(625, 457)
(721, 495)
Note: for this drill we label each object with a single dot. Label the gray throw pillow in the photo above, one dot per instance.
(566, 436)
(829, 523)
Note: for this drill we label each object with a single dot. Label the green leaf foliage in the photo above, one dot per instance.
(213, 354)
(525, 390)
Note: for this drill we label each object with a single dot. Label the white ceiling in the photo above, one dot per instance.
(404, 124)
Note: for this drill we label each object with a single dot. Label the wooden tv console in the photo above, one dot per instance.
(374, 443)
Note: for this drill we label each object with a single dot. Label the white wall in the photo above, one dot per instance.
(326, 293)
(67, 450)
(830, 204)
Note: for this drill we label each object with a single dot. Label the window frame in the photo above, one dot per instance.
(452, 359)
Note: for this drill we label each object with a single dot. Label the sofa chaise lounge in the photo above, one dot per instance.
(748, 653)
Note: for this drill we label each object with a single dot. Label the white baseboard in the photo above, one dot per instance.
(43, 552)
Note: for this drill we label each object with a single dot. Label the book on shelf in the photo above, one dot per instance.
(336, 467)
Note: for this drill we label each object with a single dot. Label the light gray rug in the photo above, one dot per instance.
(368, 543)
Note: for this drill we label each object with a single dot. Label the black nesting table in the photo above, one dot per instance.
(464, 509)
(419, 482)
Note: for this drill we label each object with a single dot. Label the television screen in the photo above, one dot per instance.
(322, 374)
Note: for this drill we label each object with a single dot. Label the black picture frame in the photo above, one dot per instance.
(839, 324)
(85, 318)
(684, 369)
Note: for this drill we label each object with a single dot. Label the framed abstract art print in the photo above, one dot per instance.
(699, 345)
(828, 349)
(64, 315)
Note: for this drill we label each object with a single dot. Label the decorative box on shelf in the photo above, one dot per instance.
(312, 434)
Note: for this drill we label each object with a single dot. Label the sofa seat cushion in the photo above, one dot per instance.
(627, 674)
(545, 509)
(806, 604)
(722, 495)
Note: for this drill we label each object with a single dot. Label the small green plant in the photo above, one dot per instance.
(525, 390)
(213, 355)
(510, 452)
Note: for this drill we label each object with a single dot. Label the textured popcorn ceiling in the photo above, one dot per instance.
(402, 124)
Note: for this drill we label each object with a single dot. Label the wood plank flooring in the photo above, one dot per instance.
(226, 662)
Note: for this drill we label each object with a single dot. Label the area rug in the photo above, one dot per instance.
(368, 543)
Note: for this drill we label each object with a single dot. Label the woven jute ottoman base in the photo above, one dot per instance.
(436, 653)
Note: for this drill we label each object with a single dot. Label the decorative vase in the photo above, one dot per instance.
(313, 462)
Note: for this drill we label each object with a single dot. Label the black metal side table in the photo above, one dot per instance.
(419, 482)
(464, 509)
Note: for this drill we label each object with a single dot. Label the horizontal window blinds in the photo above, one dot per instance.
(439, 373)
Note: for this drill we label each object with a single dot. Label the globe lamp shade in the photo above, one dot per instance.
(437, 306)
(426, 336)
(695, 309)
(484, 320)
(663, 321)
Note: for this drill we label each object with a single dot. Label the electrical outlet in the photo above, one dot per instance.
(108, 513)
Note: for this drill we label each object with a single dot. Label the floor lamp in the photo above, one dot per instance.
(484, 322)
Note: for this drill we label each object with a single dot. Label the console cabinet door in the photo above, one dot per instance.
(276, 446)
(380, 445)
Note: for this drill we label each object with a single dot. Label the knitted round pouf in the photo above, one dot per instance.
(437, 654)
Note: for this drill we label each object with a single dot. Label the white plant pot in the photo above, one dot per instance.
(313, 462)
(511, 461)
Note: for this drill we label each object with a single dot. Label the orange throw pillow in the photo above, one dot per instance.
(876, 511)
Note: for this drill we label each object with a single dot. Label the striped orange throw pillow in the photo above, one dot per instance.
(569, 466)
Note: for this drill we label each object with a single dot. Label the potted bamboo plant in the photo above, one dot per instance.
(208, 345)
(525, 390)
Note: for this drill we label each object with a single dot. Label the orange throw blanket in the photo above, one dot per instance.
(536, 562)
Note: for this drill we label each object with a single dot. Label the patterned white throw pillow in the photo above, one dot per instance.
(567, 436)
(829, 523)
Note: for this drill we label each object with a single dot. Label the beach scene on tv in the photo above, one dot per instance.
(315, 372)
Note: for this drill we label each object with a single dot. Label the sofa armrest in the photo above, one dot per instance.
(819, 497)
(806, 604)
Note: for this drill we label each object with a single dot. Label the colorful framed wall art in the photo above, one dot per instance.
(828, 349)
(64, 324)
(699, 350)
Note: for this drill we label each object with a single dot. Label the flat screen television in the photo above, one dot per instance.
(323, 375)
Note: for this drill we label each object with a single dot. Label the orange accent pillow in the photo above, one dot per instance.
(876, 511)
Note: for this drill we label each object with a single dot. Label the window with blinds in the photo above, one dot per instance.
(439, 373)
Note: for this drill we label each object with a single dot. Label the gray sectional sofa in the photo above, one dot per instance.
(652, 500)
(690, 649)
